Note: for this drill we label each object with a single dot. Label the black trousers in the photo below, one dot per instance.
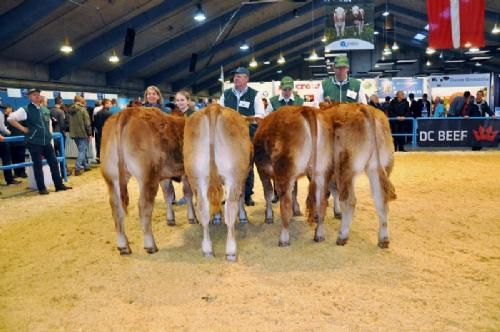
(47, 151)
(249, 182)
(6, 160)
(18, 154)
(98, 136)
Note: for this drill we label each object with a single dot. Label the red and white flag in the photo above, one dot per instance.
(455, 23)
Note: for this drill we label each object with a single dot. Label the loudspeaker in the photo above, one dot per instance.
(128, 47)
(192, 62)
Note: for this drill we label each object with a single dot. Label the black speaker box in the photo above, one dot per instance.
(128, 47)
(192, 62)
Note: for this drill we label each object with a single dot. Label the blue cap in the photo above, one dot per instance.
(241, 70)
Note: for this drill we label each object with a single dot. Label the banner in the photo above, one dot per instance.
(458, 133)
(349, 25)
(389, 87)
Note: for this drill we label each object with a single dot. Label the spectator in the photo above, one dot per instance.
(414, 110)
(39, 139)
(183, 106)
(438, 108)
(424, 106)
(99, 121)
(17, 149)
(374, 101)
(457, 104)
(81, 132)
(114, 106)
(153, 98)
(58, 122)
(483, 105)
(386, 105)
(399, 110)
(5, 151)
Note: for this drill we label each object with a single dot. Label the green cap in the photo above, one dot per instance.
(341, 61)
(286, 82)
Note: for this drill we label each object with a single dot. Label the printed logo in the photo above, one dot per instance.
(485, 134)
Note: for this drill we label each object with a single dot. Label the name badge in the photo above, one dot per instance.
(352, 94)
(244, 104)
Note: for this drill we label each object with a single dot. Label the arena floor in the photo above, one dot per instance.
(60, 270)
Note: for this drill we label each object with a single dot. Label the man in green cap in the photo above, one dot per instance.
(341, 87)
(287, 96)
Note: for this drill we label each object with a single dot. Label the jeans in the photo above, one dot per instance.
(81, 161)
(36, 152)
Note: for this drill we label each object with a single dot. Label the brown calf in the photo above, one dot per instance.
(147, 144)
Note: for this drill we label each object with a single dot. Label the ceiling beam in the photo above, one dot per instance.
(24, 16)
(116, 76)
(102, 43)
(306, 40)
(273, 41)
(178, 67)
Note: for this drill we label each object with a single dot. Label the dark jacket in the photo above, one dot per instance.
(100, 119)
(420, 106)
(58, 120)
(399, 108)
(456, 106)
(414, 110)
(485, 109)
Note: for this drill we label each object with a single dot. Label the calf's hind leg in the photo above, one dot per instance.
(148, 190)
(118, 212)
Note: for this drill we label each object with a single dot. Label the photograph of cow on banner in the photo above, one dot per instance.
(349, 25)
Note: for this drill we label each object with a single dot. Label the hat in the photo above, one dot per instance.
(241, 70)
(30, 91)
(341, 61)
(286, 82)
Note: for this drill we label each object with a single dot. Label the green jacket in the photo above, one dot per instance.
(338, 92)
(37, 121)
(277, 103)
(79, 121)
(231, 101)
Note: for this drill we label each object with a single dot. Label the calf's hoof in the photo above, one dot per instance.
(151, 250)
(208, 254)
(384, 243)
(283, 243)
(269, 221)
(125, 251)
(243, 221)
(171, 222)
(319, 238)
(231, 257)
(297, 214)
(341, 242)
(337, 215)
(193, 221)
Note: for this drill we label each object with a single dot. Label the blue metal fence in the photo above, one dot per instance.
(61, 159)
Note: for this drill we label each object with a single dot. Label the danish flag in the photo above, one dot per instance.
(456, 23)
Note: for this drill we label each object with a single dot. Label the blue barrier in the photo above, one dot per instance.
(61, 159)
(413, 132)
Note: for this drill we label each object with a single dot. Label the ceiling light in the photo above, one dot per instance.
(428, 63)
(314, 56)
(455, 61)
(426, 27)
(477, 52)
(199, 15)
(253, 63)
(281, 59)
(317, 66)
(114, 58)
(66, 47)
(441, 55)
(496, 29)
(392, 70)
(323, 39)
(267, 62)
(481, 58)
(430, 50)
(419, 37)
(467, 45)
(478, 64)
(407, 61)
(395, 46)
(473, 50)
(386, 13)
(244, 46)
(387, 50)
(376, 32)
(390, 63)
(279, 71)
(377, 65)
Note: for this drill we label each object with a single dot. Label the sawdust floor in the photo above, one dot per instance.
(60, 271)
